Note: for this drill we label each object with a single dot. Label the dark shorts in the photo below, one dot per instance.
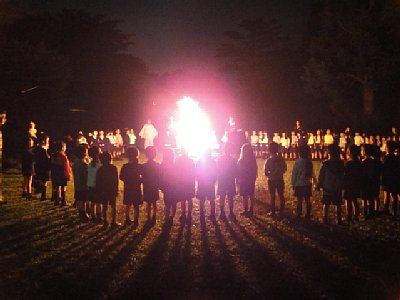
(351, 194)
(276, 186)
(80, 195)
(91, 195)
(132, 197)
(303, 191)
(332, 199)
(226, 189)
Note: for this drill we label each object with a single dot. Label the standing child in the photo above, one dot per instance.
(185, 185)
(246, 176)
(371, 181)
(302, 179)
(92, 196)
(131, 176)
(28, 169)
(206, 175)
(274, 168)
(330, 181)
(151, 183)
(227, 170)
(168, 184)
(352, 183)
(60, 173)
(42, 165)
(107, 188)
(391, 178)
(80, 171)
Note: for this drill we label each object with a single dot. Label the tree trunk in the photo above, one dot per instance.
(368, 100)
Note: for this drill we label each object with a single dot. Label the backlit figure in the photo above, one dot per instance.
(148, 133)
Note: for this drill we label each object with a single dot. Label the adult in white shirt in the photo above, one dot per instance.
(148, 133)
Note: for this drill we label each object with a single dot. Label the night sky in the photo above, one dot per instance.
(179, 34)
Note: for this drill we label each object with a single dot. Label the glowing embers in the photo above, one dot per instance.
(193, 127)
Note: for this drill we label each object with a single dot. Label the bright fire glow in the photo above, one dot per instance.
(193, 127)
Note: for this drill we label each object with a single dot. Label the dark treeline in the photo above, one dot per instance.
(72, 71)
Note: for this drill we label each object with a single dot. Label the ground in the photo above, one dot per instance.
(46, 253)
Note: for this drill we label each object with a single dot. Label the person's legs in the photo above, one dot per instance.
(105, 213)
(148, 210)
(43, 190)
(365, 208)
(154, 205)
(281, 197)
(395, 203)
(127, 211)
(326, 213)
(222, 205)
(299, 206)
(212, 207)
(135, 215)
(251, 210)
(349, 209)
(339, 214)
(308, 207)
(231, 204)
(356, 210)
(272, 197)
(63, 193)
(245, 204)
(386, 201)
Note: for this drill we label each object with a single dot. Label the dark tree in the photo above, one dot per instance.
(353, 55)
(105, 76)
(260, 60)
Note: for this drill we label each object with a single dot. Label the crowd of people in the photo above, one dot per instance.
(355, 173)
(318, 141)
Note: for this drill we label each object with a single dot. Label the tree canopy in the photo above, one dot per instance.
(354, 55)
(261, 62)
(70, 61)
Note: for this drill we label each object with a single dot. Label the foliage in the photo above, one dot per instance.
(99, 76)
(353, 53)
(260, 60)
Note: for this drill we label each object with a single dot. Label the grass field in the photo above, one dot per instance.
(46, 253)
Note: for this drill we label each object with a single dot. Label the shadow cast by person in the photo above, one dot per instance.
(327, 267)
(150, 281)
(270, 277)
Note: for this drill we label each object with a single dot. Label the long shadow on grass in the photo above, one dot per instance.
(324, 268)
(149, 281)
(364, 254)
(269, 278)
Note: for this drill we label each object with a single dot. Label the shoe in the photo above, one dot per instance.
(128, 222)
(105, 223)
(244, 213)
